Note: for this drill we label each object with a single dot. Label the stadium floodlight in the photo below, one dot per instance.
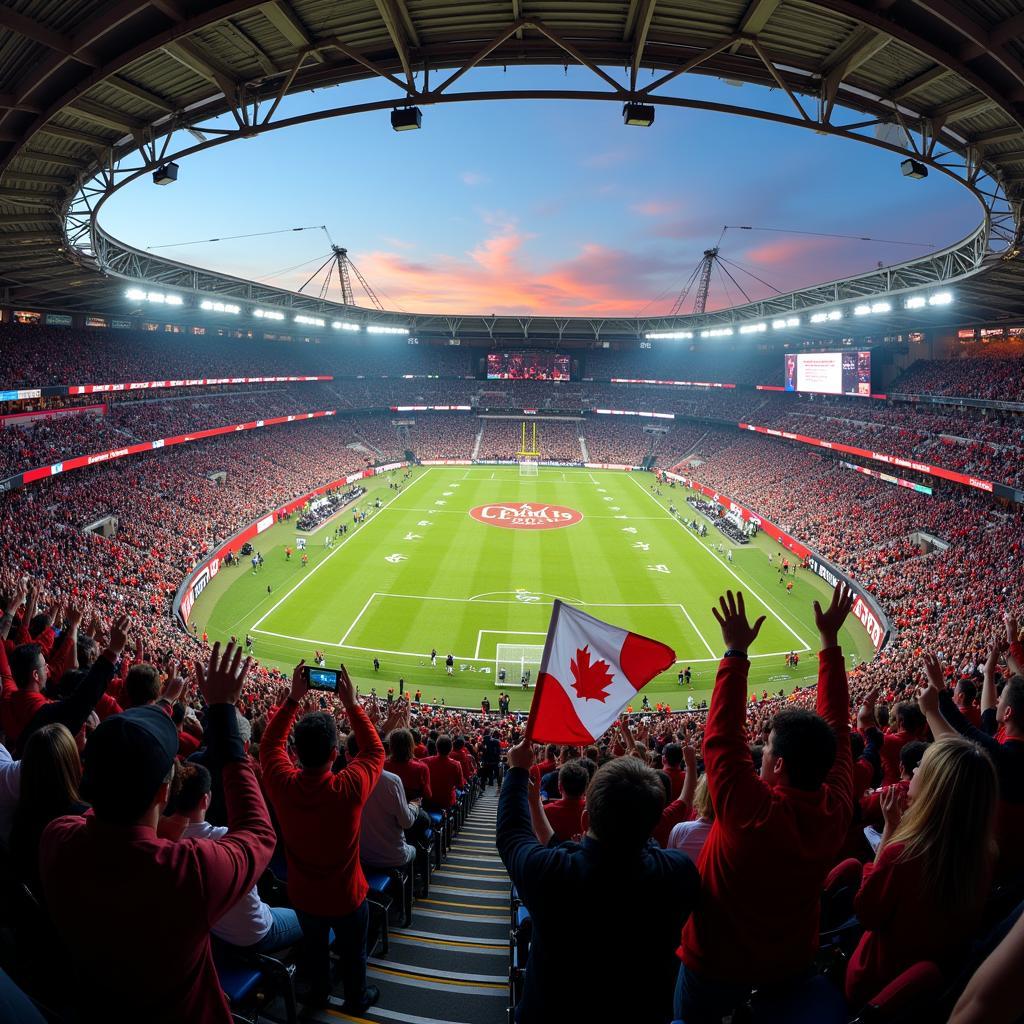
(310, 321)
(915, 302)
(406, 119)
(640, 115)
(792, 321)
(375, 329)
(881, 307)
(136, 294)
(219, 307)
(668, 335)
(717, 332)
(340, 325)
(268, 314)
(940, 299)
(832, 314)
(913, 169)
(165, 174)
(753, 328)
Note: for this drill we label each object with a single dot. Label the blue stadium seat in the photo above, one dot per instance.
(243, 975)
(380, 904)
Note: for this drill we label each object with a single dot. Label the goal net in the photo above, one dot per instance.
(515, 660)
(528, 467)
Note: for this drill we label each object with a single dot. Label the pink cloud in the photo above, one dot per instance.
(498, 276)
(656, 207)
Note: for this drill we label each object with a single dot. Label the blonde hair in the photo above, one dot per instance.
(702, 805)
(951, 823)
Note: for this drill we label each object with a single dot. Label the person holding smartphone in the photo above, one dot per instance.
(319, 811)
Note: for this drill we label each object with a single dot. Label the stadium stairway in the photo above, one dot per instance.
(451, 965)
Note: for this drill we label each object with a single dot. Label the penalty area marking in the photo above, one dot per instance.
(466, 657)
(334, 551)
(725, 565)
(502, 632)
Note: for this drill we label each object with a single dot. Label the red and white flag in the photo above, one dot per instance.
(588, 673)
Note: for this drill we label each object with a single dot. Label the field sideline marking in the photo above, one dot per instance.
(510, 632)
(746, 585)
(465, 657)
(697, 631)
(479, 600)
(357, 618)
(316, 568)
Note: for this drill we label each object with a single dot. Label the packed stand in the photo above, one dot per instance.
(443, 435)
(127, 422)
(558, 440)
(996, 373)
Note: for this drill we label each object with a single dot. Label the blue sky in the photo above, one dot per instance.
(543, 206)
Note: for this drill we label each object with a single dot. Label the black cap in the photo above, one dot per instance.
(127, 759)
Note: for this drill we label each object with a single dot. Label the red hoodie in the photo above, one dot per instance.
(784, 837)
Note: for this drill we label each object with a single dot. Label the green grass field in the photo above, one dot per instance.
(422, 573)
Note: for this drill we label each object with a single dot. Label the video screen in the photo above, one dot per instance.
(828, 373)
(527, 366)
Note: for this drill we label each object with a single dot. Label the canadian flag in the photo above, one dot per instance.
(589, 672)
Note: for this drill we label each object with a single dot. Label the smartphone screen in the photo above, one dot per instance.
(322, 678)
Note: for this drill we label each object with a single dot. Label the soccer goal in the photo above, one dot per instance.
(528, 467)
(514, 661)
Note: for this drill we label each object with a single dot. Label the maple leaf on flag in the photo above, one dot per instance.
(591, 680)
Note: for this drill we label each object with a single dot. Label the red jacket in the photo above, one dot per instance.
(445, 777)
(674, 813)
(676, 777)
(539, 770)
(319, 813)
(136, 910)
(565, 816)
(903, 925)
(465, 758)
(765, 838)
(414, 775)
(892, 744)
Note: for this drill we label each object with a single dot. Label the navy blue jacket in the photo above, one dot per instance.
(605, 926)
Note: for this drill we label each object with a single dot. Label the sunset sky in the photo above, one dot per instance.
(543, 206)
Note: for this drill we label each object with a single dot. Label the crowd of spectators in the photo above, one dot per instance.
(93, 665)
(994, 371)
(443, 435)
(49, 440)
(558, 440)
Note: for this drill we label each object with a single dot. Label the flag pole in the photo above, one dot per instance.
(542, 671)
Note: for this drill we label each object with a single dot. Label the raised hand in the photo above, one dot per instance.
(300, 684)
(1012, 627)
(893, 801)
(737, 632)
(18, 596)
(118, 636)
(928, 699)
(690, 756)
(995, 649)
(521, 755)
(346, 689)
(221, 681)
(830, 621)
(176, 683)
(933, 671)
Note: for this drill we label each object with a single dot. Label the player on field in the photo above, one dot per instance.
(433, 657)
(449, 664)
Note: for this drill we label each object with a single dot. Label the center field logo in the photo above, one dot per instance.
(524, 515)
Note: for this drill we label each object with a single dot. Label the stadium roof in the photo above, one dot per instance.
(93, 93)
